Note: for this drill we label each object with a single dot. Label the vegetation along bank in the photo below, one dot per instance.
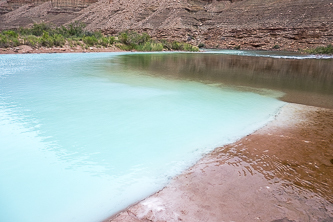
(43, 37)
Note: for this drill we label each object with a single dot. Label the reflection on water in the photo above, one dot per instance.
(305, 81)
(310, 165)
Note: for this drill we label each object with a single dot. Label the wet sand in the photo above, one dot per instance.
(282, 172)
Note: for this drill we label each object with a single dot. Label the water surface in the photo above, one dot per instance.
(85, 135)
(303, 79)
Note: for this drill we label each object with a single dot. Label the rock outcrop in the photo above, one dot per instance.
(245, 24)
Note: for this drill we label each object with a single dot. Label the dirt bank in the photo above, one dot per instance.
(23, 49)
(282, 172)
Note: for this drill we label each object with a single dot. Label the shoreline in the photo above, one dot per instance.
(25, 49)
(281, 172)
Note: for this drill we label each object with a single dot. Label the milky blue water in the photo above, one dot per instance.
(82, 136)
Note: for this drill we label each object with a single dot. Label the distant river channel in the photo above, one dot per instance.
(83, 136)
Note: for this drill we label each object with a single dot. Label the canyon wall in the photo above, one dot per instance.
(245, 24)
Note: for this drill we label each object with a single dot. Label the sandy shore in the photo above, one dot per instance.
(25, 49)
(280, 173)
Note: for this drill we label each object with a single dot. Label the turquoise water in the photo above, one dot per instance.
(82, 136)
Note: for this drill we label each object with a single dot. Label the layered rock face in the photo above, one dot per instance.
(250, 24)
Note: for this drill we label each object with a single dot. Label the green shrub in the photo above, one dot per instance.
(31, 40)
(74, 33)
(189, 47)
(8, 41)
(97, 34)
(75, 29)
(46, 40)
(175, 45)
(39, 29)
(15, 42)
(157, 46)
(123, 38)
(70, 42)
(142, 42)
(58, 40)
(112, 39)
(145, 47)
(124, 47)
(166, 44)
(10, 33)
(276, 47)
(104, 41)
(76, 39)
(195, 49)
(4, 41)
(144, 38)
(62, 30)
(90, 40)
(321, 50)
(133, 38)
(24, 31)
(148, 46)
(186, 47)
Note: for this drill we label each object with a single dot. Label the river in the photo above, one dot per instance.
(85, 135)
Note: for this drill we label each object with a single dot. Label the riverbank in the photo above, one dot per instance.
(282, 172)
(25, 49)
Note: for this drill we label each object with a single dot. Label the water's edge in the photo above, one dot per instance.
(186, 194)
(114, 216)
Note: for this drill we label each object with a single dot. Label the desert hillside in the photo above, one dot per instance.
(246, 24)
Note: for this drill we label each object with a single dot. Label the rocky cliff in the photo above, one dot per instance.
(245, 24)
